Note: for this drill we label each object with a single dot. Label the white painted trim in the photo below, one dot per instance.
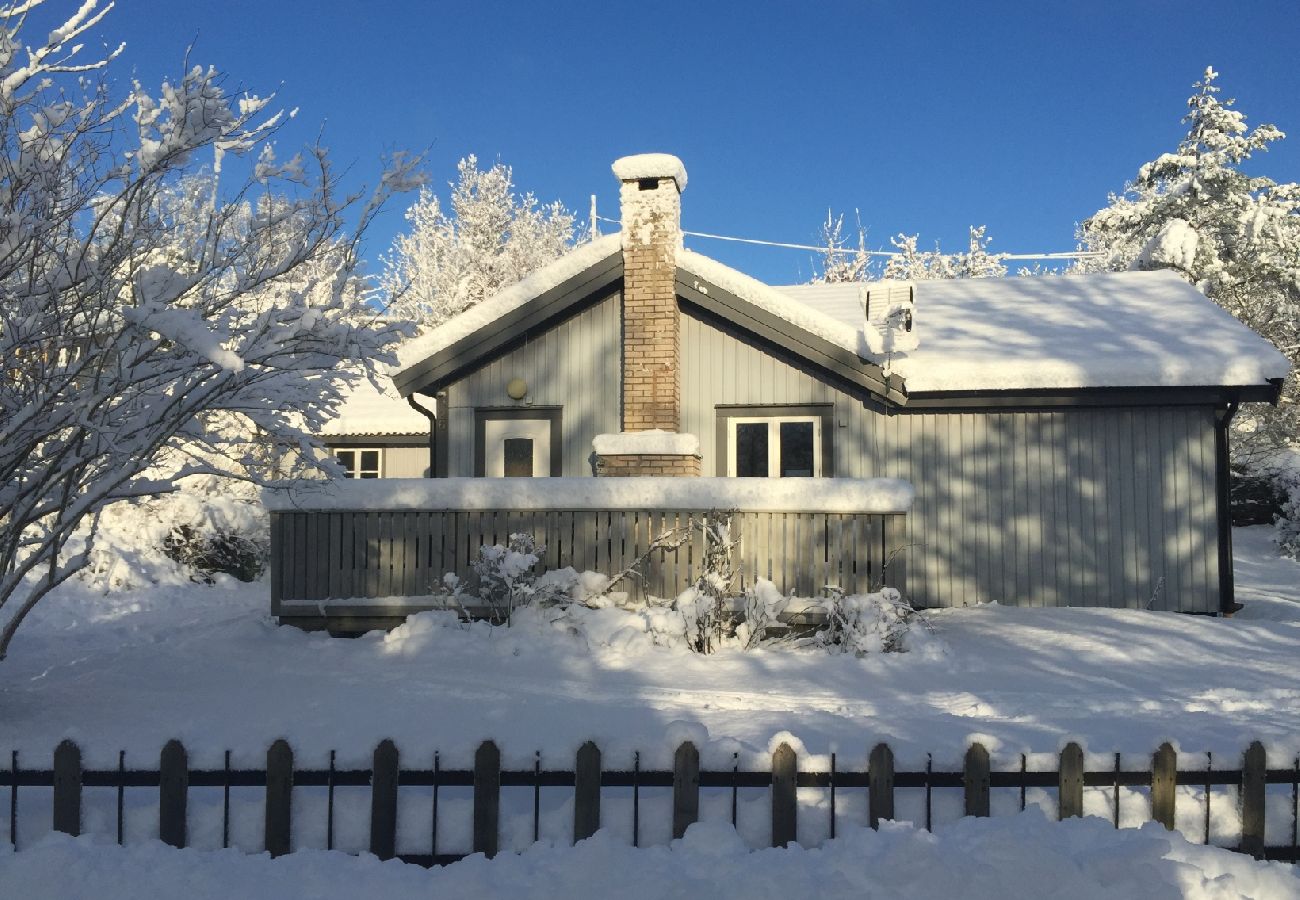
(773, 442)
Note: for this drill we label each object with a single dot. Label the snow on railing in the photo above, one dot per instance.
(793, 495)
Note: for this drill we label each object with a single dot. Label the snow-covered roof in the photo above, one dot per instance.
(549, 276)
(1115, 329)
(1120, 329)
(371, 410)
(653, 441)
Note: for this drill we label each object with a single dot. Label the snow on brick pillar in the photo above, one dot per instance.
(651, 227)
(653, 452)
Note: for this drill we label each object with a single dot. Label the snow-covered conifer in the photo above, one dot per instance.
(1234, 235)
(492, 237)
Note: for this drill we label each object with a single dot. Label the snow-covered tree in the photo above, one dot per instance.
(140, 310)
(492, 237)
(1234, 235)
(914, 264)
(841, 262)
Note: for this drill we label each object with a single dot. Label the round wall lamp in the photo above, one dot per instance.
(517, 389)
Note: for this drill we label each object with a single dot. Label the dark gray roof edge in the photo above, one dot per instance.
(495, 339)
(818, 351)
(1064, 398)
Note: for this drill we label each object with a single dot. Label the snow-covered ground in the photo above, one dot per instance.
(1021, 856)
(134, 668)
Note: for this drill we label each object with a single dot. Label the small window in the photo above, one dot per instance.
(361, 463)
(775, 447)
(518, 457)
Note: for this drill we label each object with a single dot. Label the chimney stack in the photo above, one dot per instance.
(650, 197)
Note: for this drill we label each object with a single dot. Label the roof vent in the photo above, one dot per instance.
(889, 310)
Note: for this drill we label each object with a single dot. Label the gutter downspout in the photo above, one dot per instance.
(1223, 489)
(432, 416)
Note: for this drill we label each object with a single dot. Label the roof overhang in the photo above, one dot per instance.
(503, 334)
(785, 339)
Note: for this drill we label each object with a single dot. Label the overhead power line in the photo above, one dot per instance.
(1062, 255)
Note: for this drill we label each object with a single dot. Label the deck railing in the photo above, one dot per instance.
(376, 549)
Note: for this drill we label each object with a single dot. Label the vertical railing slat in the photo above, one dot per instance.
(487, 798)
(1253, 771)
(1164, 785)
(686, 788)
(976, 780)
(785, 767)
(67, 788)
(279, 798)
(173, 793)
(880, 785)
(383, 800)
(1070, 782)
(586, 792)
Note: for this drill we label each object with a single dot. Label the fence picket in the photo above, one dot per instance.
(1164, 785)
(1070, 782)
(1253, 772)
(785, 767)
(487, 798)
(686, 788)
(383, 801)
(586, 792)
(67, 788)
(976, 780)
(173, 790)
(279, 798)
(880, 785)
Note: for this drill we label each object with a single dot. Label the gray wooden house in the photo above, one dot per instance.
(1066, 437)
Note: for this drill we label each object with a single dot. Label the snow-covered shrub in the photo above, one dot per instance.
(705, 606)
(867, 623)
(208, 526)
(1288, 525)
(506, 578)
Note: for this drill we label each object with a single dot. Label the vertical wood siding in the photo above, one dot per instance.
(574, 365)
(1077, 507)
(406, 462)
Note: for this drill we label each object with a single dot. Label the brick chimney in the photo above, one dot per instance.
(650, 196)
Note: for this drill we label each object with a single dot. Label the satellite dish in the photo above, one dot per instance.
(889, 312)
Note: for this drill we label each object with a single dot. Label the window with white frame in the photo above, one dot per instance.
(361, 462)
(774, 446)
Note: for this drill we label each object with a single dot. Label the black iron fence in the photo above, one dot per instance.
(173, 778)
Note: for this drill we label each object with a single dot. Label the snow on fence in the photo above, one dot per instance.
(374, 547)
(386, 777)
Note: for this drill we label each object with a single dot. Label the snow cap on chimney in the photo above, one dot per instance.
(651, 166)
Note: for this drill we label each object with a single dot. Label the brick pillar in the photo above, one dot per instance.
(651, 226)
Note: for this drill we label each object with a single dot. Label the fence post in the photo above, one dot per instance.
(383, 801)
(785, 767)
(586, 792)
(976, 778)
(173, 790)
(67, 788)
(1069, 797)
(1253, 770)
(686, 788)
(487, 798)
(880, 785)
(279, 797)
(1164, 785)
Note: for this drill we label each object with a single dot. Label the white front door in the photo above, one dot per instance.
(515, 448)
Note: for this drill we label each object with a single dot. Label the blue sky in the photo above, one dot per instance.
(925, 116)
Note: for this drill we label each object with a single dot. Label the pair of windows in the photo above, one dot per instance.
(774, 446)
(361, 462)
